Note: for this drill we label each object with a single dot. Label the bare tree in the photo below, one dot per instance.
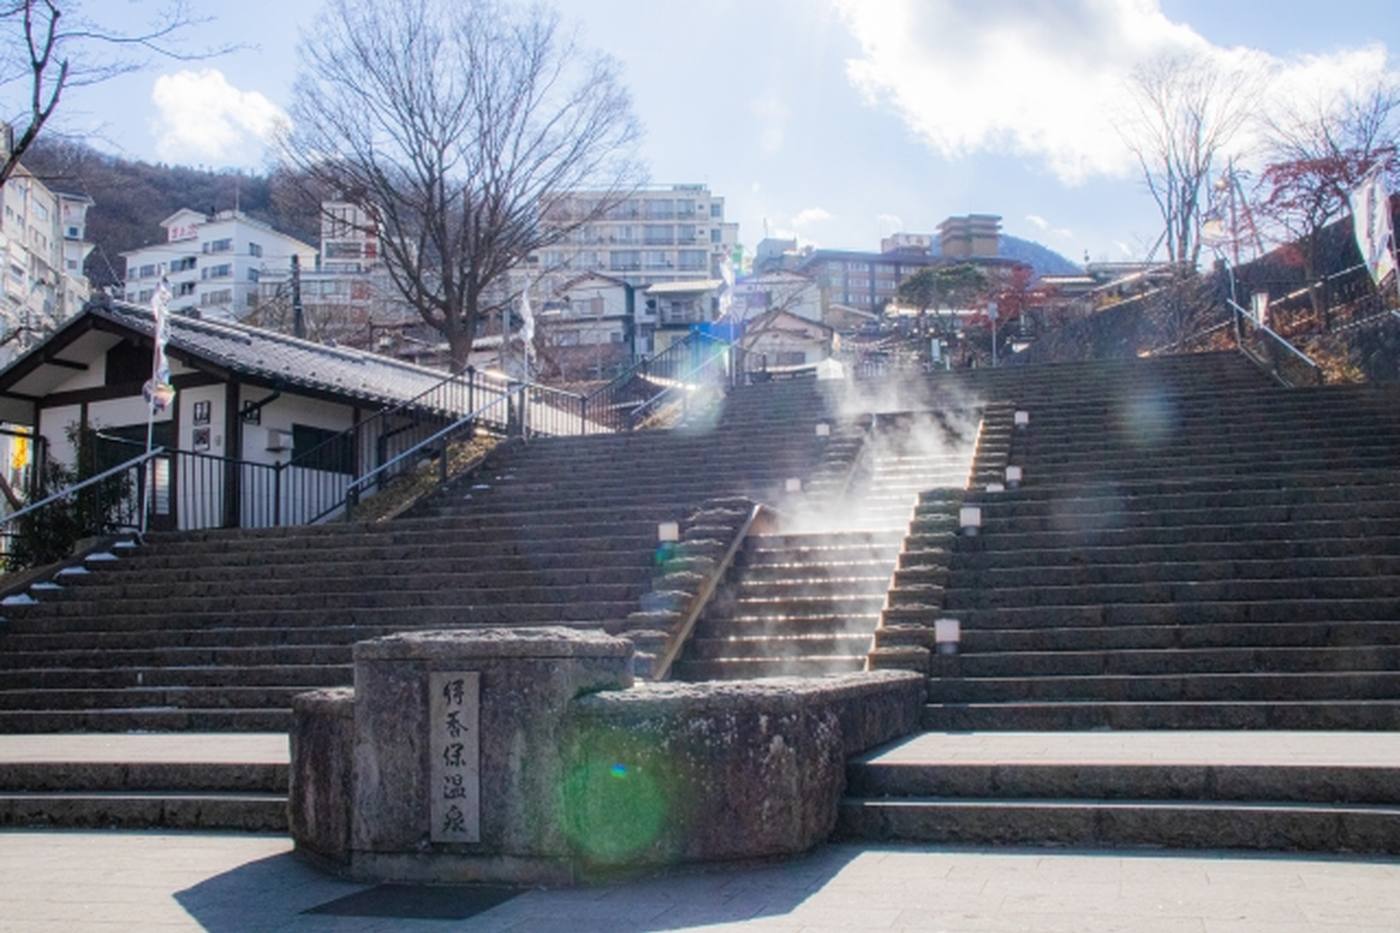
(464, 130)
(52, 47)
(1186, 112)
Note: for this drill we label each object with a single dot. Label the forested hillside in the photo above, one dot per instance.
(133, 197)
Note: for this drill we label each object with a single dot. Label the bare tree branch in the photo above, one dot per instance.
(459, 128)
(54, 48)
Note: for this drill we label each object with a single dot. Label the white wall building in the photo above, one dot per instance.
(346, 293)
(42, 238)
(664, 233)
(213, 262)
(757, 294)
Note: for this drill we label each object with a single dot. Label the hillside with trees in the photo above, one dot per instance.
(133, 197)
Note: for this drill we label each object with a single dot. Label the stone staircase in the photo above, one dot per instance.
(806, 600)
(1191, 549)
(216, 631)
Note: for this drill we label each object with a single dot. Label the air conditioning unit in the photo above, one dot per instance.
(278, 440)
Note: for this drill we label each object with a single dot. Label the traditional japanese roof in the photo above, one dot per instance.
(227, 348)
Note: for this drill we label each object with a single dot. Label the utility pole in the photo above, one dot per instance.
(298, 317)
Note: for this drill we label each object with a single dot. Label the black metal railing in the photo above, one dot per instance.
(1272, 352)
(109, 501)
(695, 362)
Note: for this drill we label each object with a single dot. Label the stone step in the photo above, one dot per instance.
(756, 556)
(142, 776)
(26, 722)
(576, 552)
(237, 633)
(1166, 613)
(1126, 595)
(820, 620)
(750, 668)
(303, 676)
(316, 580)
(1237, 685)
(824, 644)
(84, 697)
(1136, 780)
(249, 812)
(802, 606)
(393, 618)
(543, 602)
(994, 523)
(1261, 634)
(1007, 506)
(1090, 536)
(214, 657)
(836, 586)
(1177, 660)
(1273, 826)
(1255, 554)
(1071, 715)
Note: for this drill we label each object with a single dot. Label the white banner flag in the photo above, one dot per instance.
(1370, 209)
(158, 390)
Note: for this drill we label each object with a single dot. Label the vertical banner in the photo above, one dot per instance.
(1370, 210)
(158, 391)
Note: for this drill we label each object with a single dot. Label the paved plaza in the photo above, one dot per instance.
(75, 881)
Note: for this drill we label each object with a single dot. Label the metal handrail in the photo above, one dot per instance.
(358, 482)
(1268, 330)
(91, 480)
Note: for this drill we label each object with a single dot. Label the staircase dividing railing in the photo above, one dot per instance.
(626, 402)
(1271, 352)
(108, 502)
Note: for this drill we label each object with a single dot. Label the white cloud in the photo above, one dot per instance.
(1039, 221)
(889, 223)
(201, 117)
(772, 116)
(1064, 233)
(1124, 248)
(1042, 79)
(810, 215)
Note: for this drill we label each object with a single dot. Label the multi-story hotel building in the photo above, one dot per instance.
(658, 234)
(213, 262)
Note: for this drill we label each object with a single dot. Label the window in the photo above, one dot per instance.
(184, 288)
(220, 296)
(791, 357)
(72, 264)
(662, 235)
(656, 259)
(127, 363)
(73, 232)
(714, 235)
(626, 259)
(40, 211)
(218, 246)
(183, 264)
(254, 249)
(321, 449)
(252, 275)
(221, 271)
(693, 260)
(716, 211)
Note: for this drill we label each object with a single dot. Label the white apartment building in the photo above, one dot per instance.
(347, 293)
(659, 234)
(213, 262)
(42, 241)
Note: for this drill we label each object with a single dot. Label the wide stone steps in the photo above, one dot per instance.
(1241, 685)
(156, 585)
(1268, 825)
(128, 676)
(1097, 534)
(1263, 634)
(179, 657)
(1234, 714)
(547, 600)
(823, 644)
(806, 665)
(1319, 553)
(1215, 612)
(446, 615)
(1124, 595)
(248, 812)
(122, 719)
(1219, 660)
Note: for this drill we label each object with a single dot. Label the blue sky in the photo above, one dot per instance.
(836, 120)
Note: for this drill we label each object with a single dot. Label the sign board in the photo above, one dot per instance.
(454, 756)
